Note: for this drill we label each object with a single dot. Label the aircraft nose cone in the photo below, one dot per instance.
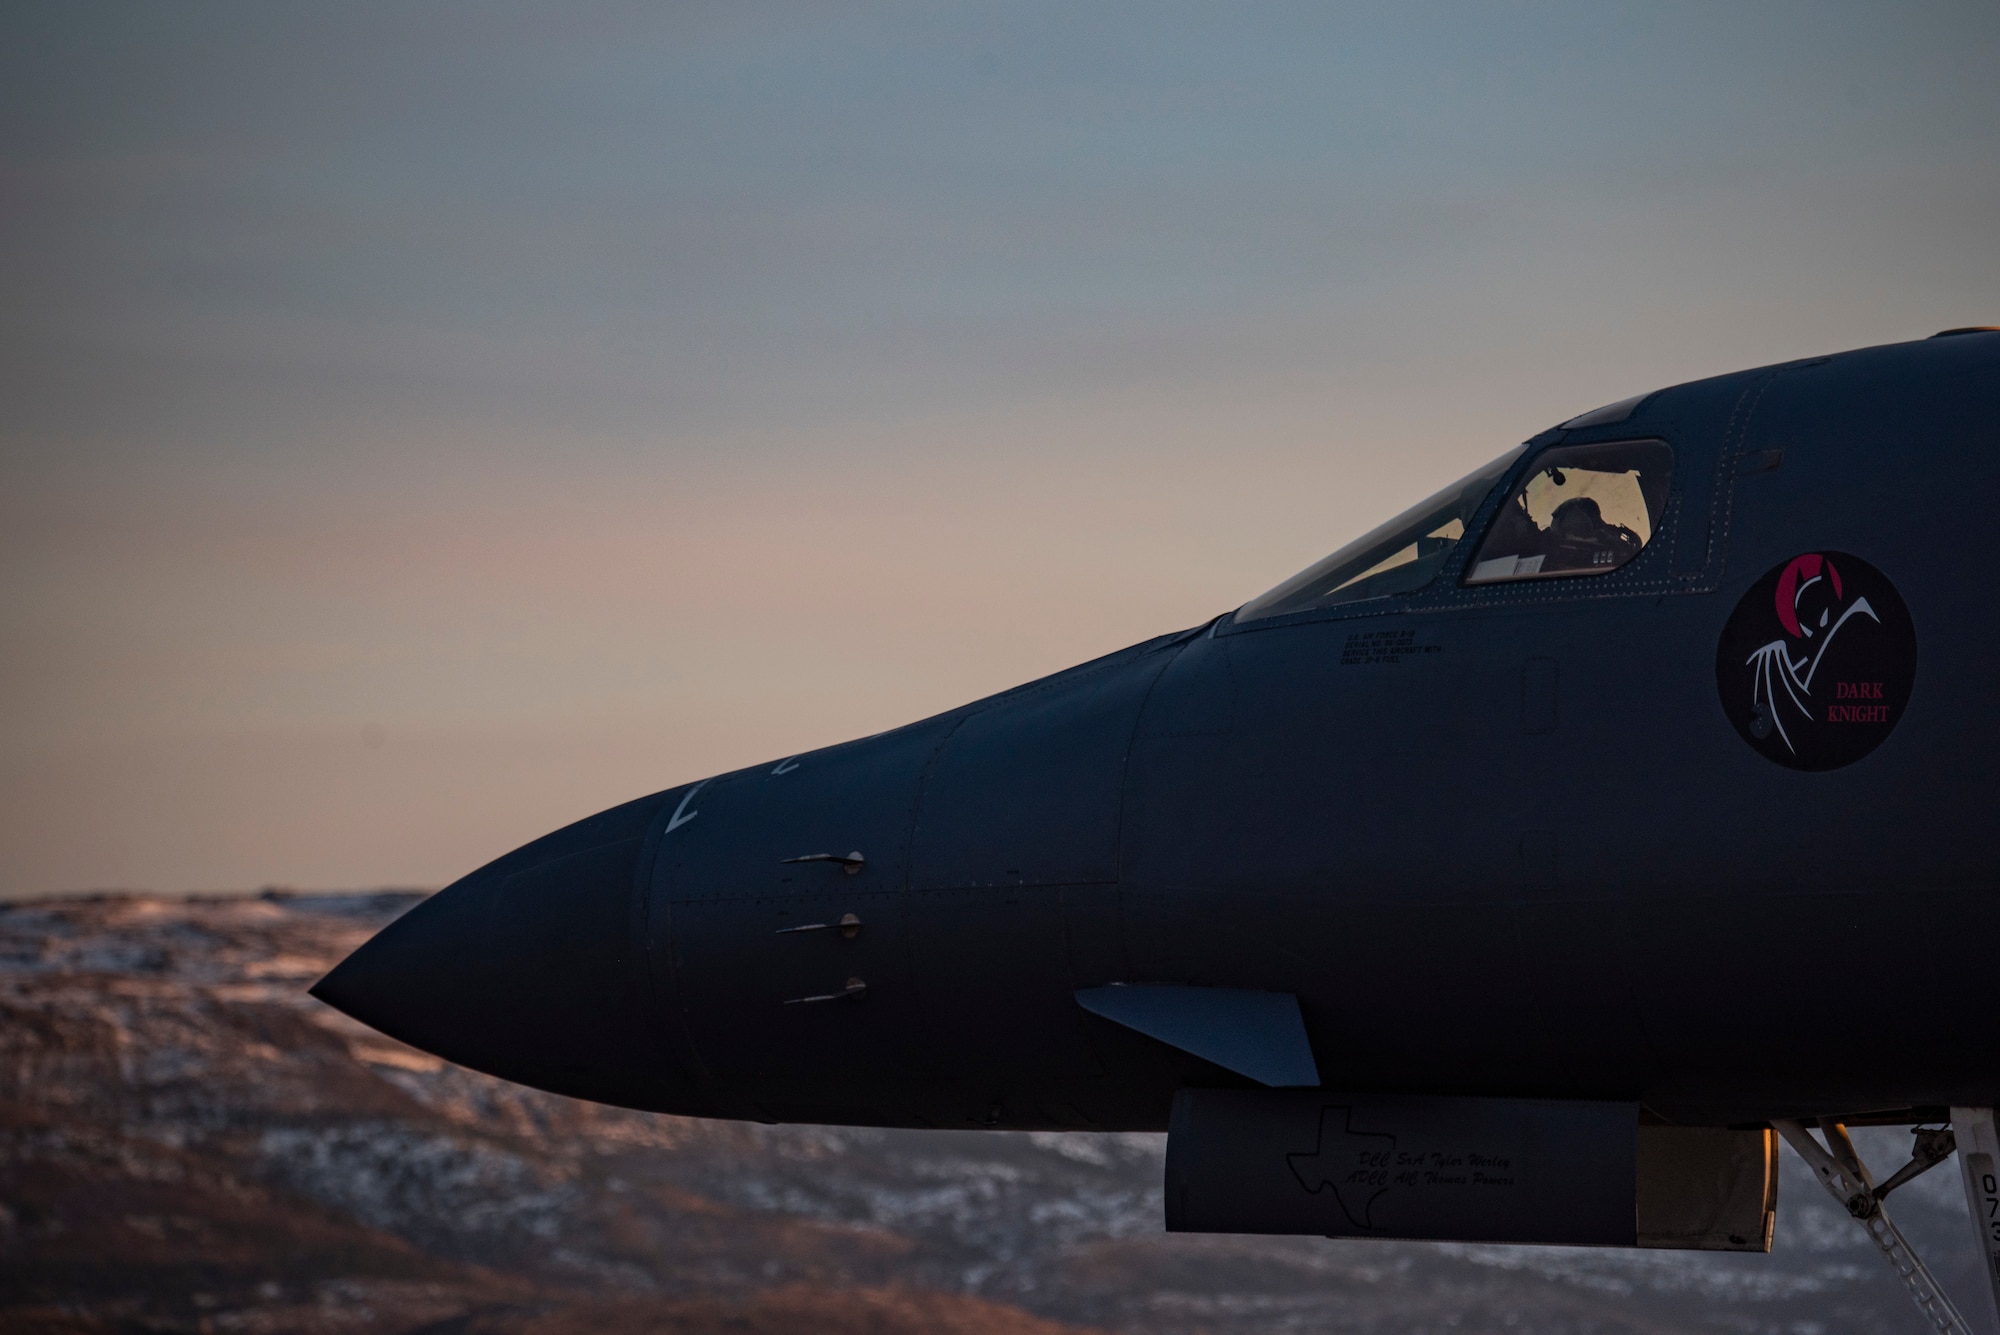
(532, 969)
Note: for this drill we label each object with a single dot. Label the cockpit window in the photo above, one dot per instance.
(1584, 510)
(1401, 556)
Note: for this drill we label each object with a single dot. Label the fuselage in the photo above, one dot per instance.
(1497, 839)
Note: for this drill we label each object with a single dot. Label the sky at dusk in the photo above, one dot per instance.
(423, 425)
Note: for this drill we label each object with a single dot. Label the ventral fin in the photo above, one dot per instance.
(1259, 1035)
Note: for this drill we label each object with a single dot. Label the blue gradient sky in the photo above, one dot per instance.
(423, 425)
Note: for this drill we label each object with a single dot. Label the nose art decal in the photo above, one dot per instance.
(1815, 665)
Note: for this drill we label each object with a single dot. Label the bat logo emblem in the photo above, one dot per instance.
(1815, 665)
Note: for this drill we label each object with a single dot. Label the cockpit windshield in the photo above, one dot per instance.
(1584, 510)
(1401, 556)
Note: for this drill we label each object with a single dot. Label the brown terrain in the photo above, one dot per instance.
(190, 1143)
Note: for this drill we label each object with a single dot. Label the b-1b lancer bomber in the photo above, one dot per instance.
(1521, 872)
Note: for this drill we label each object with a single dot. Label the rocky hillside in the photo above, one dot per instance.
(189, 1142)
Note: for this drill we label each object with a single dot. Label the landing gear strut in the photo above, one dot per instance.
(1840, 1169)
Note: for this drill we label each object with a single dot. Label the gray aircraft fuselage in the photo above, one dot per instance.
(1498, 839)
